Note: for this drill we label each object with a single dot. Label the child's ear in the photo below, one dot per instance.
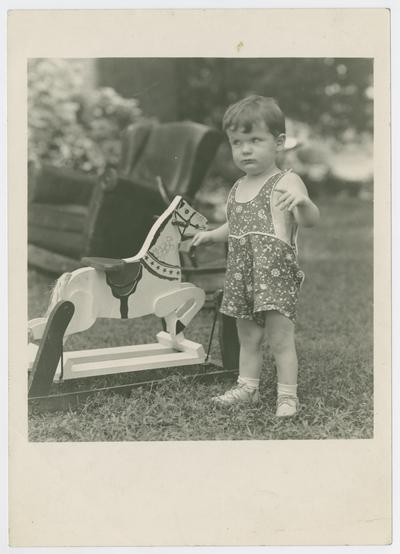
(280, 141)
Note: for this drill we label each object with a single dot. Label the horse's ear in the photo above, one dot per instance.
(181, 200)
(186, 199)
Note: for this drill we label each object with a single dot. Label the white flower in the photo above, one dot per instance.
(275, 272)
(263, 286)
(238, 276)
(289, 257)
(239, 209)
(242, 241)
(300, 274)
(261, 213)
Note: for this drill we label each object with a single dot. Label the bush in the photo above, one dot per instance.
(70, 126)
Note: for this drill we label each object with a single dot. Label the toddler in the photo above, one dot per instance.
(264, 209)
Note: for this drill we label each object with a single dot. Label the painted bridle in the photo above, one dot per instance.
(158, 267)
(182, 223)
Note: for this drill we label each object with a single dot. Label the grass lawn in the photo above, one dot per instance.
(335, 347)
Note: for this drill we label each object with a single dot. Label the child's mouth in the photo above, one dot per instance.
(249, 161)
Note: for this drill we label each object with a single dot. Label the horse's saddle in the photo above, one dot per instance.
(121, 276)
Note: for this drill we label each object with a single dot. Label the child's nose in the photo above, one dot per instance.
(246, 147)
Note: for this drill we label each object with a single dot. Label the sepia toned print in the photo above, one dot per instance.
(127, 159)
(103, 168)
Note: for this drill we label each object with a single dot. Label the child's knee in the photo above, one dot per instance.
(280, 342)
(251, 336)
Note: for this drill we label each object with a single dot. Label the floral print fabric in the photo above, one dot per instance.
(262, 271)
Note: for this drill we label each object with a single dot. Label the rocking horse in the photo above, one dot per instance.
(147, 283)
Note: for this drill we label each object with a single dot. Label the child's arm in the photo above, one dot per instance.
(220, 234)
(294, 198)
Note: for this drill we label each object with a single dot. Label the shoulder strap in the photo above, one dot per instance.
(231, 194)
(277, 177)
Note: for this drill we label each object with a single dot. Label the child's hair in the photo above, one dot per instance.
(248, 111)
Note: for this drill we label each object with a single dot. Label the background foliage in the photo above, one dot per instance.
(328, 104)
(332, 95)
(70, 125)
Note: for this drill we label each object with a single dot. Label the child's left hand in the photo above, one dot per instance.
(288, 200)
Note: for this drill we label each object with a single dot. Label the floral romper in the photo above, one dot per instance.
(262, 271)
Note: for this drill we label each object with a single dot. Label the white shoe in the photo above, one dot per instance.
(286, 406)
(237, 395)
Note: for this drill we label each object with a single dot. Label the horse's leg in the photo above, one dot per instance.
(83, 317)
(37, 325)
(82, 302)
(81, 291)
(35, 328)
(179, 307)
(192, 306)
(77, 287)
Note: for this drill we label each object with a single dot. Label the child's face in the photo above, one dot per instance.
(255, 152)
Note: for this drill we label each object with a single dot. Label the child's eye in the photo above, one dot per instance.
(256, 139)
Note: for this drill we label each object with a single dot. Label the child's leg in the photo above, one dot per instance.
(250, 337)
(281, 340)
(280, 336)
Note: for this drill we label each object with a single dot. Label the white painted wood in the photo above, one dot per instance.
(184, 345)
(108, 361)
(156, 287)
(120, 351)
(168, 302)
(159, 264)
(154, 229)
(32, 351)
(36, 328)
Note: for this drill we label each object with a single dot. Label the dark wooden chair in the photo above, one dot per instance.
(72, 215)
(179, 153)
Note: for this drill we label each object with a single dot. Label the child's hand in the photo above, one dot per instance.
(203, 237)
(290, 200)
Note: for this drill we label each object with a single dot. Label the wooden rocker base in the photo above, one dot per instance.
(74, 394)
(122, 359)
(87, 373)
(50, 350)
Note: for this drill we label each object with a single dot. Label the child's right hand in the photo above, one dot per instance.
(203, 237)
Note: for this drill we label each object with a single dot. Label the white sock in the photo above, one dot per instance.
(248, 382)
(288, 390)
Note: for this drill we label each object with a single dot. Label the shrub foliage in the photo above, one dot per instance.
(70, 125)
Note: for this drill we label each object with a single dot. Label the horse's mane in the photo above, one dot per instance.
(156, 230)
(56, 293)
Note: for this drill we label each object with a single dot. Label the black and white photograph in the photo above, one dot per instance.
(176, 205)
(207, 276)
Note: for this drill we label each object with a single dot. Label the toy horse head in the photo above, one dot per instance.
(187, 219)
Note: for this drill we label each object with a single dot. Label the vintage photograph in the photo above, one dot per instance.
(199, 238)
(200, 248)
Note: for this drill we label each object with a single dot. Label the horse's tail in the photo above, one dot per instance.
(57, 292)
